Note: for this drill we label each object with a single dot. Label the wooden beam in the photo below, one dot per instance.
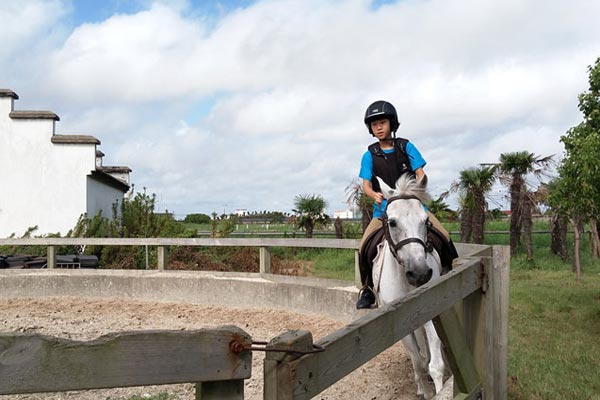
(357, 279)
(278, 376)
(264, 260)
(212, 242)
(31, 363)
(486, 324)
(220, 390)
(355, 344)
(51, 257)
(163, 258)
(458, 354)
(496, 310)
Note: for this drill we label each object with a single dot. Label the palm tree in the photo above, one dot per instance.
(513, 168)
(356, 196)
(474, 184)
(441, 209)
(466, 218)
(311, 212)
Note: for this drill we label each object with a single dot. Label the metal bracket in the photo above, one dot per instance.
(238, 347)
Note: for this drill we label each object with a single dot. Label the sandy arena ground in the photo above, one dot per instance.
(387, 377)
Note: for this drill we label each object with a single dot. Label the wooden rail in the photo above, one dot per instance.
(163, 244)
(32, 363)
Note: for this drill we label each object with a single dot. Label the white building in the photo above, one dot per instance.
(343, 214)
(49, 180)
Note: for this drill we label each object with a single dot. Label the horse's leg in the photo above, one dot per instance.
(419, 366)
(436, 359)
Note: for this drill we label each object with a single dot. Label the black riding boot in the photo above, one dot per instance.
(366, 298)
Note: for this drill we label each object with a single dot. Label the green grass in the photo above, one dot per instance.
(554, 331)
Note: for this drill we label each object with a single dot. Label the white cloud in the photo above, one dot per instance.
(291, 81)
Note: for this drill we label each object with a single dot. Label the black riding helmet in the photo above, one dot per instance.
(379, 110)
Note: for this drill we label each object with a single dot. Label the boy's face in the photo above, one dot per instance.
(381, 128)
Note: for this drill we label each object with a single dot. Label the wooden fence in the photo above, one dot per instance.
(469, 307)
(32, 363)
(163, 245)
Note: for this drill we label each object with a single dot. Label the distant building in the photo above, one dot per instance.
(49, 180)
(343, 214)
(241, 212)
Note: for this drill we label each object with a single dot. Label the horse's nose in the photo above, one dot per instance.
(419, 278)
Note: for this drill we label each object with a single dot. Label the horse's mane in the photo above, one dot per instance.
(407, 185)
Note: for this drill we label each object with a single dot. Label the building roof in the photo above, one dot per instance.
(115, 169)
(33, 115)
(8, 93)
(109, 180)
(75, 139)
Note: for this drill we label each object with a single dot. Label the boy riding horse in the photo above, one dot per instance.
(389, 158)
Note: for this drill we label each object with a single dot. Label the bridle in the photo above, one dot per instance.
(397, 246)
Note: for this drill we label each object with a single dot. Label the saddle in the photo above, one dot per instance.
(444, 247)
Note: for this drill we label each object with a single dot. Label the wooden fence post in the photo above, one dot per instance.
(220, 390)
(357, 280)
(51, 257)
(265, 260)
(485, 314)
(466, 379)
(278, 374)
(163, 257)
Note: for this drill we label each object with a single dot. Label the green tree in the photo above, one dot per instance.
(576, 192)
(197, 219)
(513, 168)
(441, 209)
(474, 185)
(310, 210)
(356, 196)
(134, 217)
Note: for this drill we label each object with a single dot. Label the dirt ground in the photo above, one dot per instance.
(386, 377)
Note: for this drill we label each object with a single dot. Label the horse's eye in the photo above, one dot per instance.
(392, 223)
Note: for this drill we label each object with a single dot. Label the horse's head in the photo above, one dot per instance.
(405, 225)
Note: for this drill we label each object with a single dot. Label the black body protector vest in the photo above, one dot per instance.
(389, 167)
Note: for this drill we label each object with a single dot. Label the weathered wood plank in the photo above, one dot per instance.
(458, 354)
(264, 257)
(32, 363)
(220, 390)
(51, 257)
(496, 308)
(350, 347)
(222, 242)
(279, 378)
(163, 257)
(357, 279)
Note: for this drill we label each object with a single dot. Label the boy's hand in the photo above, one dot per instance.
(378, 197)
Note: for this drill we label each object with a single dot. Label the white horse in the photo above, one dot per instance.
(408, 262)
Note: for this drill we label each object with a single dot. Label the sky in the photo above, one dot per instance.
(240, 104)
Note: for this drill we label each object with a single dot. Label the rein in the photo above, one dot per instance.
(397, 246)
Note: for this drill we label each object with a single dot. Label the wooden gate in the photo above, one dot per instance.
(469, 307)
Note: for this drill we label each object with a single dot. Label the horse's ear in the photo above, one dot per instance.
(385, 189)
(423, 182)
